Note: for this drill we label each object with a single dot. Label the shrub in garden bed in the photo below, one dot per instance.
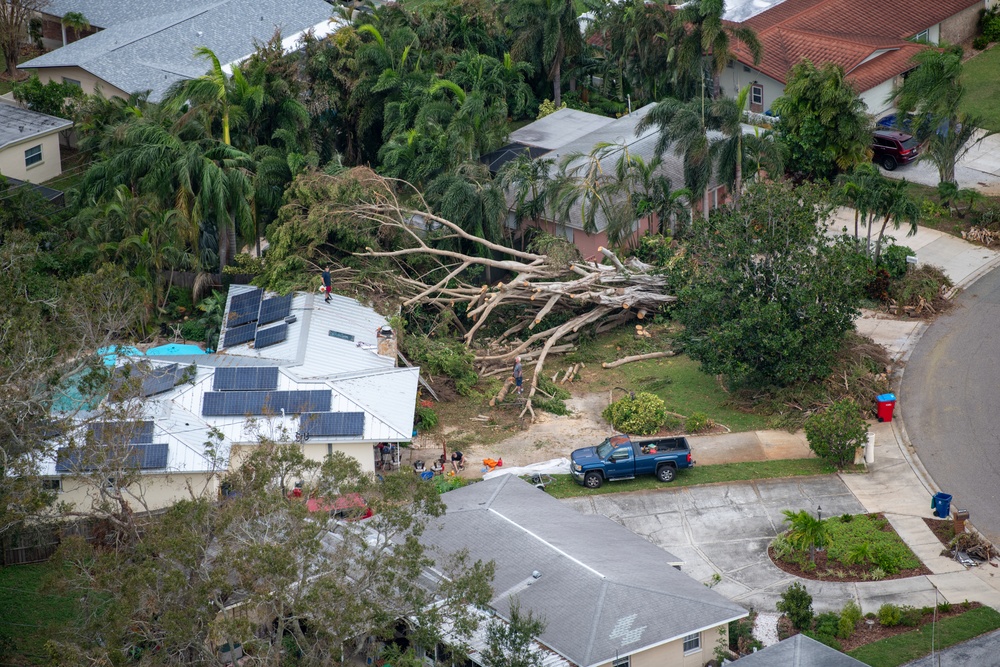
(642, 414)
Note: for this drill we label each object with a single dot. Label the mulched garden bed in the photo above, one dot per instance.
(866, 634)
(944, 529)
(826, 570)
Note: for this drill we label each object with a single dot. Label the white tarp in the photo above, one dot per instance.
(552, 467)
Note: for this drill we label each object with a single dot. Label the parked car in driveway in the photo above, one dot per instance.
(891, 148)
(620, 457)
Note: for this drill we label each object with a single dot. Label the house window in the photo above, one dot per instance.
(692, 643)
(72, 82)
(52, 485)
(33, 155)
(622, 662)
(921, 36)
(757, 95)
(746, 69)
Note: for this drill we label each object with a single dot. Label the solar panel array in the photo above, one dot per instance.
(160, 379)
(274, 309)
(230, 403)
(336, 424)
(146, 456)
(135, 432)
(240, 334)
(271, 336)
(245, 379)
(244, 307)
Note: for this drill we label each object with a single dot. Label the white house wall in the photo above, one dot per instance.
(734, 78)
(875, 98)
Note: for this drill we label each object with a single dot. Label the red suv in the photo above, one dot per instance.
(891, 148)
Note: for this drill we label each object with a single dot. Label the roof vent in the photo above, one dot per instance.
(536, 574)
(20, 128)
(199, 33)
(290, 319)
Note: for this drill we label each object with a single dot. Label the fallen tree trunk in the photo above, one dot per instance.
(637, 357)
(502, 394)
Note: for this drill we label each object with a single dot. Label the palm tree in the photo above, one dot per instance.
(896, 205)
(527, 180)
(637, 38)
(682, 128)
(545, 32)
(209, 92)
(805, 530)
(934, 91)
(471, 199)
(657, 196)
(76, 22)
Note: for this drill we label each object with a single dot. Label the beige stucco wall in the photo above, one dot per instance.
(12, 159)
(151, 492)
(734, 78)
(672, 654)
(316, 451)
(961, 26)
(88, 81)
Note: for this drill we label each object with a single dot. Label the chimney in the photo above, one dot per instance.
(386, 338)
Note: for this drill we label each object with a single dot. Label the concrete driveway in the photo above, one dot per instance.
(979, 169)
(725, 529)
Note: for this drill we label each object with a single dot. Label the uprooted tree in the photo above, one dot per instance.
(576, 293)
(389, 246)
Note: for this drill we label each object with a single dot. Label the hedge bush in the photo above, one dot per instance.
(889, 615)
(642, 414)
(796, 604)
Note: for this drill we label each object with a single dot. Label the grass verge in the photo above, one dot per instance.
(30, 615)
(563, 486)
(903, 648)
(982, 95)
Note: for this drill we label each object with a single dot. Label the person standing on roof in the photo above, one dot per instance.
(518, 375)
(327, 283)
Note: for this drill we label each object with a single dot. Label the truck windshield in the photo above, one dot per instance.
(604, 449)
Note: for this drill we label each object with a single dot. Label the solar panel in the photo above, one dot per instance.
(338, 424)
(271, 336)
(244, 307)
(160, 379)
(136, 432)
(240, 334)
(146, 456)
(274, 309)
(231, 403)
(245, 379)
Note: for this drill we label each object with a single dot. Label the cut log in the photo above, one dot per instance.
(502, 394)
(637, 357)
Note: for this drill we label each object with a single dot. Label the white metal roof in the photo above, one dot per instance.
(359, 379)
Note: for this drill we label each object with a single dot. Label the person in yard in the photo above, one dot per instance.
(518, 375)
(457, 461)
(327, 283)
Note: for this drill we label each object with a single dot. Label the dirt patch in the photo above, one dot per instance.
(549, 437)
(943, 529)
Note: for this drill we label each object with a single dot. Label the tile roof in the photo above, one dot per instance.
(867, 39)
(604, 591)
(17, 124)
(153, 51)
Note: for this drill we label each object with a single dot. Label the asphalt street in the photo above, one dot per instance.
(950, 402)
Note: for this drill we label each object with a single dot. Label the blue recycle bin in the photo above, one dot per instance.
(941, 504)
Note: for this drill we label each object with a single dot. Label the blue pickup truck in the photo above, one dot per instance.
(621, 457)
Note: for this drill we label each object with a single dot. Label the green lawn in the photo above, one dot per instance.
(563, 486)
(29, 613)
(909, 646)
(982, 88)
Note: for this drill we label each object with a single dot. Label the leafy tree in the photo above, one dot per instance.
(53, 98)
(934, 91)
(836, 433)
(508, 643)
(823, 121)
(179, 586)
(805, 530)
(796, 603)
(14, 15)
(471, 199)
(771, 296)
(546, 32)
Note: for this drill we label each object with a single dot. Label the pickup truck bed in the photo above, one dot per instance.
(620, 457)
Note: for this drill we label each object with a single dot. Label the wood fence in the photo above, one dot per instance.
(37, 544)
(187, 279)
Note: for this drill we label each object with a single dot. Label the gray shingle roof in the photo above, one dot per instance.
(152, 52)
(799, 651)
(603, 591)
(17, 124)
(106, 13)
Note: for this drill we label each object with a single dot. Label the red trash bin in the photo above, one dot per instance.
(886, 404)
